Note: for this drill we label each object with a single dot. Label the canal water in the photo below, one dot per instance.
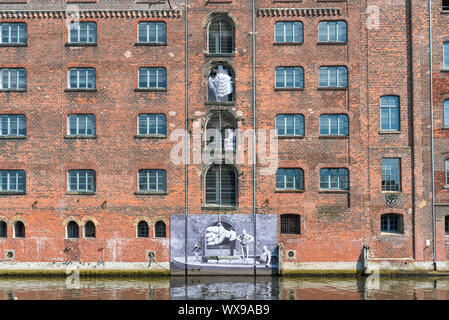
(227, 288)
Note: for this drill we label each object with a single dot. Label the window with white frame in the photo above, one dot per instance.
(152, 32)
(289, 77)
(12, 79)
(446, 113)
(332, 31)
(333, 77)
(82, 78)
(334, 179)
(152, 124)
(288, 32)
(152, 78)
(290, 179)
(83, 32)
(81, 124)
(446, 55)
(81, 180)
(152, 180)
(290, 125)
(334, 125)
(12, 181)
(389, 113)
(13, 33)
(447, 172)
(12, 125)
(391, 174)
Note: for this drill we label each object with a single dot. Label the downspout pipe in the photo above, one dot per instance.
(432, 136)
(186, 136)
(253, 58)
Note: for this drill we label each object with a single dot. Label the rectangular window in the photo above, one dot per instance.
(13, 33)
(288, 32)
(334, 125)
(12, 180)
(81, 124)
(83, 32)
(447, 172)
(290, 125)
(82, 78)
(391, 223)
(12, 125)
(152, 124)
(289, 77)
(152, 180)
(152, 78)
(333, 77)
(332, 31)
(152, 32)
(289, 179)
(13, 79)
(81, 180)
(389, 113)
(445, 5)
(334, 179)
(391, 174)
(446, 113)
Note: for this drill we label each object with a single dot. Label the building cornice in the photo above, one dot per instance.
(87, 14)
(298, 12)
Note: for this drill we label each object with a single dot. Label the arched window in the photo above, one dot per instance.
(160, 229)
(290, 224)
(89, 230)
(221, 129)
(72, 230)
(221, 84)
(391, 222)
(19, 229)
(142, 229)
(3, 229)
(221, 185)
(221, 36)
(290, 179)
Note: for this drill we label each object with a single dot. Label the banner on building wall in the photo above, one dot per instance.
(223, 244)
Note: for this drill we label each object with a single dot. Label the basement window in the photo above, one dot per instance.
(3, 229)
(160, 229)
(143, 229)
(290, 224)
(19, 229)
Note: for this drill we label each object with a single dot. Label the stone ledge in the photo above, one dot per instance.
(90, 14)
(298, 12)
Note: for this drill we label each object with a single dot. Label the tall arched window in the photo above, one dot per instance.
(89, 230)
(221, 84)
(19, 229)
(3, 229)
(220, 131)
(221, 36)
(160, 229)
(221, 185)
(73, 231)
(142, 229)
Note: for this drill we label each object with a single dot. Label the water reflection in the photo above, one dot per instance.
(227, 288)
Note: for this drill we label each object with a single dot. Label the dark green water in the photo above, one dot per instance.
(227, 288)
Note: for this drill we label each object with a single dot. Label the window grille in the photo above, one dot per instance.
(160, 229)
(221, 37)
(142, 229)
(221, 186)
(290, 224)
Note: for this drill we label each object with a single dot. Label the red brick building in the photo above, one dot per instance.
(93, 91)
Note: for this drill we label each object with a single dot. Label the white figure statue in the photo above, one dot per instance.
(221, 84)
(266, 256)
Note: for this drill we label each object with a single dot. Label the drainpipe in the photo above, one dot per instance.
(432, 138)
(253, 58)
(186, 144)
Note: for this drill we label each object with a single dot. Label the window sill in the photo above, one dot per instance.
(218, 103)
(288, 89)
(444, 70)
(150, 136)
(150, 44)
(333, 137)
(80, 193)
(391, 192)
(80, 90)
(13, 137)
(68, 44)
(332, 43)
(289, 191)
(12, 193)
(389, 132)
(217, 55)
(385, 233)
(334, 191)
(288, 43)
(218, 208)
(290, 137)
(80, 137)
(332, 88)
(150, 89)
(150, 193)
(445, 128)
(13, 90)
(13, 45)
(446, 187)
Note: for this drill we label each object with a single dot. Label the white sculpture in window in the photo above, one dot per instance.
(220, 85)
